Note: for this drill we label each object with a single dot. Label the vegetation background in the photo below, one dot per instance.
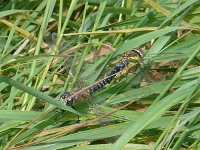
(49, 47)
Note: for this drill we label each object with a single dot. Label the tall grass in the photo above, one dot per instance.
(50, 47)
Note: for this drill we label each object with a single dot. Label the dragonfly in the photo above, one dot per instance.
(130, 61)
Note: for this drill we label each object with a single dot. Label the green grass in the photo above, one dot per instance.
(155, 107)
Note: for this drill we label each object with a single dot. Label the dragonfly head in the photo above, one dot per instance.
(65, 99)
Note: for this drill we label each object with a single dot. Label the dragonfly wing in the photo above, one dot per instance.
(93, 106)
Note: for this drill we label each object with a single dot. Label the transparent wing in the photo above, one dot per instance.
(93, 106)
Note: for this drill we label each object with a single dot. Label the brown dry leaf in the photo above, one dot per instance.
(105, 49)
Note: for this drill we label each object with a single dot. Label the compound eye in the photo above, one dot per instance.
(65, 95)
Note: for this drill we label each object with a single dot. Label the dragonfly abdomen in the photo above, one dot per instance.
(118, 69)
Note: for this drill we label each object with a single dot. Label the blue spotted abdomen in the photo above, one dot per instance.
(110, 77)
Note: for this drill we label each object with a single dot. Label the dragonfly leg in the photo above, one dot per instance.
(78, 119)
